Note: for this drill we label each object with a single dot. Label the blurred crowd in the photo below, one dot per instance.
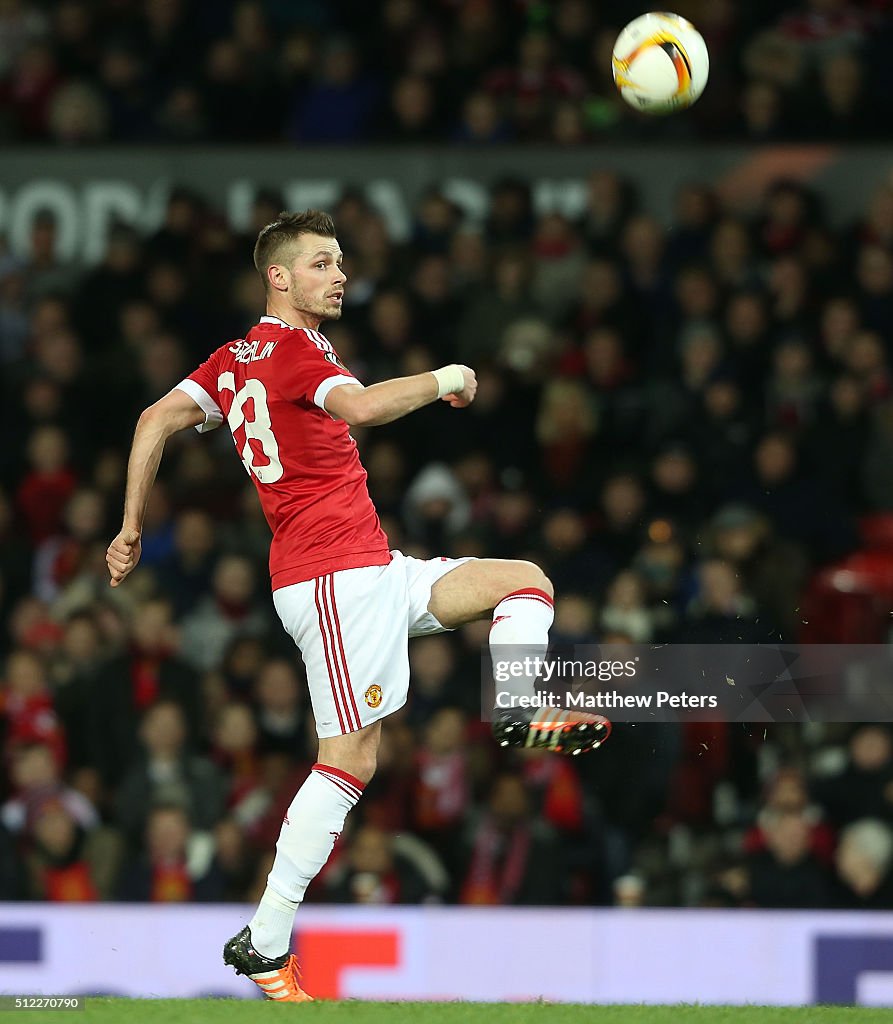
(684, 424)
(472, 72)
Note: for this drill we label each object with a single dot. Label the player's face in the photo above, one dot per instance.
(317, 278)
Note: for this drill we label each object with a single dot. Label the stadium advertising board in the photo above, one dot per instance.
(438, 953)
(88, 191)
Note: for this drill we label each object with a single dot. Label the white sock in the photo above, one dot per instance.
(521, 620)
(313, 822)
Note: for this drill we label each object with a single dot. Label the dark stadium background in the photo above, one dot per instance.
(687, 420)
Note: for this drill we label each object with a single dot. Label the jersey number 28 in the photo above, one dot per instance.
(257, 429)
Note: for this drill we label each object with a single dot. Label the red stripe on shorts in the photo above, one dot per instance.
(343, 655)
(353, 721)
(325, 644)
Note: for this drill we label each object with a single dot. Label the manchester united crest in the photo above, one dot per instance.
(373, 695)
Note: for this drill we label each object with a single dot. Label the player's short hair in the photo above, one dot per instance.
(286, 229)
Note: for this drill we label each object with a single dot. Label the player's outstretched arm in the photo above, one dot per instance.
(388, 401)
(176, 411)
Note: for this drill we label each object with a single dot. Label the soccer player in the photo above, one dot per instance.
(349, 602)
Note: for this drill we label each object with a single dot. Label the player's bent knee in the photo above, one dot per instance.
(355, 752)
(534, 576)
(362, 767)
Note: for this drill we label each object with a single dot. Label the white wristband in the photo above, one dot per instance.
(450, 380)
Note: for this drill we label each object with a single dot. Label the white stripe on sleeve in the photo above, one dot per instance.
(213, 412)
(322, 392)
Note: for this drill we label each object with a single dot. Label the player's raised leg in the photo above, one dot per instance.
(313, 822)
(519, 596)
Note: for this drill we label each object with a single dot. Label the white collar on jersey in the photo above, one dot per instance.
(276, 320)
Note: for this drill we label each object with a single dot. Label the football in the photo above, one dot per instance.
(660, 63)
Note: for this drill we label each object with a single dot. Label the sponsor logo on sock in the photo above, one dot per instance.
(499, 618)
(373, 695)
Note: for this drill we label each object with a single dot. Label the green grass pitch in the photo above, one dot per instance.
(237, 1011)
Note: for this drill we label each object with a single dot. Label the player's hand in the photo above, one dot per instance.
(460, 399)
(123, 554)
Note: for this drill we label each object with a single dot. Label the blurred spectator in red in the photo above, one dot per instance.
(48, 484)
(443, 782)
(177, 864)
(35, 782)
(819, 27)
(788, 209)
(567, 428)
(786, 873)
(234, 750)
(27, 711)
(60, 558)
(129, 683)
(65, 862)
(532, 87)
(557, 790)
(261, 812)
(511, 858)
(787, 793)
(32, 626)
(30, 87)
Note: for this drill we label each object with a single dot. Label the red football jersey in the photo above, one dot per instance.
(271, 388)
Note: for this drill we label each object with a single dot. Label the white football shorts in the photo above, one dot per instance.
(352, 629)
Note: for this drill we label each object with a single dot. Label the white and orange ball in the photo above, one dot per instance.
(660, 63)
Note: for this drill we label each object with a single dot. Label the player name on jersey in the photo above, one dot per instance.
(245, 351)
